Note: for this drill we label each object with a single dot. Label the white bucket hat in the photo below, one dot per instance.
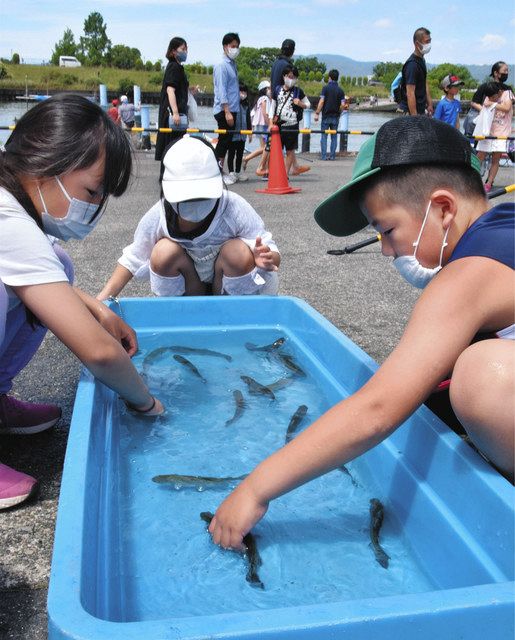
(191, 171)
(264, 84)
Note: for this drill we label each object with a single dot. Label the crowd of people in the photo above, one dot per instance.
(424, 195)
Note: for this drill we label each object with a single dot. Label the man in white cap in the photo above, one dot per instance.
(199, 237)
(126, 111)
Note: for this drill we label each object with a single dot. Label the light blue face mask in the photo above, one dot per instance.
(78, 221)
(410, 268)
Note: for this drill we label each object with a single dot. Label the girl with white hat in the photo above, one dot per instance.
(198, 238)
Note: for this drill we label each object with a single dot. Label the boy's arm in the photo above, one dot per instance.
(319, 108)
(120, 277)
(429, 100)
(442, 325)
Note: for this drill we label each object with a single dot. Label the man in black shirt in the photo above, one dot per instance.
(416, 98)
(331, 103)
(284, 60)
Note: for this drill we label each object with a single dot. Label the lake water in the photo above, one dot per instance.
(313, 542)
(358, 121)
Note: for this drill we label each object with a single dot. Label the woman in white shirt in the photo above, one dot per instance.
(60, 164)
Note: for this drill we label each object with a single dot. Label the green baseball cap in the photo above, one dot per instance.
(403, 141)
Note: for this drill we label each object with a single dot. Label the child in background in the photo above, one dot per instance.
(113, 112)
(198, 238)
(237, 143)
(426, 198)
(261, 123)
(287, 110)
(448, 109)
(497, 105)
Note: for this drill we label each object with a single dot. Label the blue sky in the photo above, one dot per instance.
(467, 31)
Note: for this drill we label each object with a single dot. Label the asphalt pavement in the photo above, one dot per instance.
(360, 293)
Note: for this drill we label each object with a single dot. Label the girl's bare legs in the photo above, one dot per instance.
(496, 157)
(235, 259)
(482, 391)
(290, 160)
(169, 259)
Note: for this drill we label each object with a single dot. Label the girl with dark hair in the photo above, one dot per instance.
(58, 167)
(173, 102)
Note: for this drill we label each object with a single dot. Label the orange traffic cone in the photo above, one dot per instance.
(277, 178)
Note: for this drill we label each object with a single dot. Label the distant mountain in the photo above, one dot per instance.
(349, 67)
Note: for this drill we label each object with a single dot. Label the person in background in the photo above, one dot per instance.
(415, 94)
(287, 112)
(199, 238)
(261, 123)
(426, 199)
(331, 104)
(284, 59)
(113, 112)
(237, 144)
(498, 99)
(173, 101)
(126, 111)
(448, 109)
(57, 170)
(227, 96)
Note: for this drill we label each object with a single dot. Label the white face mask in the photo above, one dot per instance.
(425, 48)
(233, 52)
(289, 82)
(194, 210)
(411, 269)
(77, 222)
(243, 95)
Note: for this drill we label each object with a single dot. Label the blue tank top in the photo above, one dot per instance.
(491, 236)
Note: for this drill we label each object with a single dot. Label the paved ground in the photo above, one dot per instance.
(360, 293)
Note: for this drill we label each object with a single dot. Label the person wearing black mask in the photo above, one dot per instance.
(499, 74)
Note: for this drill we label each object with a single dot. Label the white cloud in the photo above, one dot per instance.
(492, 41)
(383, 23)
(392, 53)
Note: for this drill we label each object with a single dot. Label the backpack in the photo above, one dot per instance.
(399, 90)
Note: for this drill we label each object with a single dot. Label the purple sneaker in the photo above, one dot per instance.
(17, 416)
(15, 487)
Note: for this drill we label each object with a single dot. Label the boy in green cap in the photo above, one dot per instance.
(417, 183)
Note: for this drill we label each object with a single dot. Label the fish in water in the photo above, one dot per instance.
(281, 383)
(154, 355)
(190, 366)
(295, 421)
(240, 406)
(376, 521)
(290, 363)
(344, 470)
(257, 389)
(199, 352)
(252, 554)
(196, 482)
(267, 347)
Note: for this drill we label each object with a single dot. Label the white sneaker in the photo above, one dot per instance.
(241, 177)
(230, 178)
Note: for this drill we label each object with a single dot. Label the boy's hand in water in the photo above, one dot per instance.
(263, 256)
(235, 517)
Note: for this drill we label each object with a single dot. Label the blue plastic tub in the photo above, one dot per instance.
(116, 573)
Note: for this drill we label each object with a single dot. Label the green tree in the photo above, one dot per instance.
(65, 47)
(310, 63)
(3, 72)
(385, 72)
(157, 65)
(15, 59)
(95, 46)
(123, 57)
(149, 66)
(248, 76)
(257, 59)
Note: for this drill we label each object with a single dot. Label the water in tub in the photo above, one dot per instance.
(313, 542)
